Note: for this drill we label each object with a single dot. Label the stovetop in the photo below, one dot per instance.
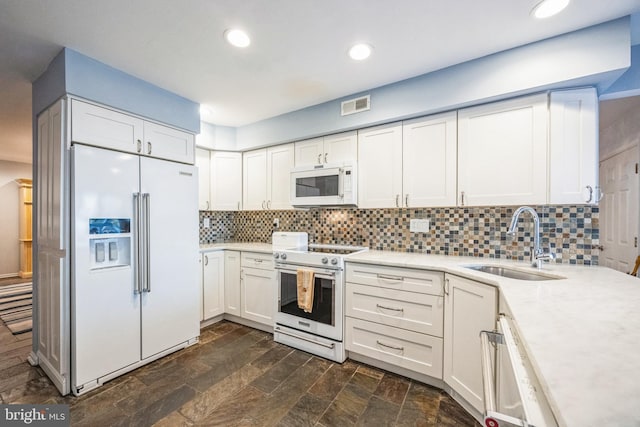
(331, 256)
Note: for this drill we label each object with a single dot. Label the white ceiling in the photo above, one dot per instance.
(297, 57)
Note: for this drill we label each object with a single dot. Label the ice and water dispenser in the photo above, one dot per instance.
(110, 242)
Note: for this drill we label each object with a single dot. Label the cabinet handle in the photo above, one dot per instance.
(139, 145)
(590, 194)
(599, 194)
(390, 308)
(406, 200)
(325, 157)
(392, 278)
(397, 200)
(320, 158)
(446, 287)
(389, 346)
(263, 202)
(462, 198)
(207, 205)
(206, 260)
(269, 204)
(149, 146)
(238, 205)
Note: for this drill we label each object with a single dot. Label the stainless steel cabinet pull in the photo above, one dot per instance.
(446, 286)
(406, 200)
(263, 202)
(462, 198)
(149, 146)
(397, 200)
(269, 204)
(389, 346)
(590, 194)
(325, 157)
(206, 260)
(207, 205)
(599, 194)
(320, 158)
(389, 308)
(387, 277)
(139, 145)
(238, 205)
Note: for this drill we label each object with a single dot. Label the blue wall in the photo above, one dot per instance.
(73, 73)
(593, 56)
(629, 83)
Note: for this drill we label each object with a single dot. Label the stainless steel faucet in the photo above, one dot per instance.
(537, 254)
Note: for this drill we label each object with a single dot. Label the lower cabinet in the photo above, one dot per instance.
(395, 315)
(257, 287)
(232, 282)
(469, 307)
(213, 284)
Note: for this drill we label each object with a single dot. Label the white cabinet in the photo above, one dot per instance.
(573, 145)
(226, 181)
(502, 153)
(103, 127)
(338, 148)
(258, 287)
(429, 161)
(213, 291)
(469, 307)
(266, 173)
(395, 315)
(380, 166)
(232, 282)
(204, 170)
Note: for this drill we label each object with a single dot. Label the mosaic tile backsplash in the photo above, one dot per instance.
(569, 231)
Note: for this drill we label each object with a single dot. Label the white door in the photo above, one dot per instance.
(168, 143)
(170, 313)
(280, 161)
(619, 210)
(204, 170)
(341, 148)
(258, 295)
(232, 282)
(429, 161)
(309, 152)
(502, 153)
(226, 181)
(469, 308)
(254, 180)
(380, 167)
(213, 284)
(105, 308)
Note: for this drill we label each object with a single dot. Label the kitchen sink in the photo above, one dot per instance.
(512, 273)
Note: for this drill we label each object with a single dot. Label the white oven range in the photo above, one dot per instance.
(321, 331)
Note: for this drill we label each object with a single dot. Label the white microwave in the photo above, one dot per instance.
(324, 185)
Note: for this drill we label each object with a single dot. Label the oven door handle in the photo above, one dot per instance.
(320, 275)
(330, 346)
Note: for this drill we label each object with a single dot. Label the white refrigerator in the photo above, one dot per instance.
(134, 292)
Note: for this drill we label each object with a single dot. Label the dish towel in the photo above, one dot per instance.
(305, 285)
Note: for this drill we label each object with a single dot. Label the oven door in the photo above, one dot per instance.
(325, 319)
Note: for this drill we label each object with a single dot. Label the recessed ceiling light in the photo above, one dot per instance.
(547, 8)
(360, 51)
(237, 38)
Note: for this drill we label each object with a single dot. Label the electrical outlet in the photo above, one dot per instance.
(419, 225)
(276, 222)
(206, 223)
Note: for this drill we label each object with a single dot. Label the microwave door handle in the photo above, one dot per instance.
(341, 183)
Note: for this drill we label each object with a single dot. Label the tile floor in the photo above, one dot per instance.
(238, 376)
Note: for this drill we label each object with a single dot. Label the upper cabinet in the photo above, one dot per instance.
(266, 172)
(103, 127)
(338, 148)
(573, 145)
(226, 181)
(429, 161)
(502, 153)
(380, 166)
(204, 170)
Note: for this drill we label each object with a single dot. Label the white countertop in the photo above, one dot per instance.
(582, 333)
(237, 246)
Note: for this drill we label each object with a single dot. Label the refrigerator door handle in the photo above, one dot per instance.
(147, 232)
(137, 289)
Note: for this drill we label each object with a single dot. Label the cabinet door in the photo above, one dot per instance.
(280, 161)
(380, 166)
(573, 145)
(168, 143)
(213, 291)
(469, 308)
(226, 181)
(502, 153)
(309, 152)
(258, 295)
(429, 161)
(254, 183)
(341, 148)
(106, 128)
(232, 282)
(204, 170)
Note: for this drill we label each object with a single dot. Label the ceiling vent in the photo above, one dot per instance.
(356, 105)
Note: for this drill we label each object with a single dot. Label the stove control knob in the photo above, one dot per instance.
(325, 260)
(334, 261)
(276, 255)
(283, 257)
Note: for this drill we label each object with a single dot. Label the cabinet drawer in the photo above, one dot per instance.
(257, 260)
(404, 279)
(410, 350)
(407, 310)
